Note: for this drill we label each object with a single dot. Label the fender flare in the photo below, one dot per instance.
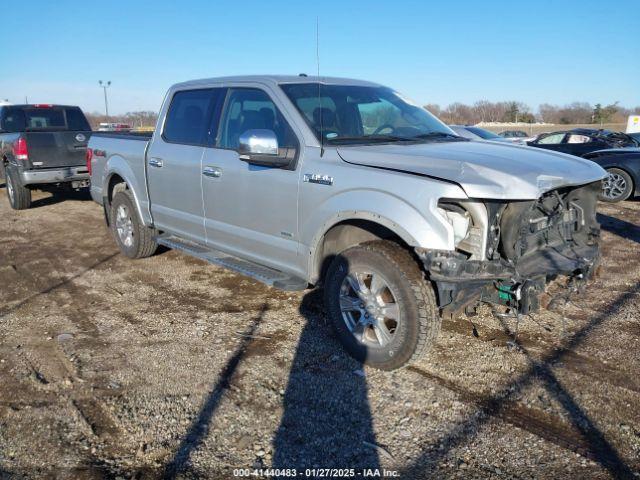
(117, 165)
(415, 229)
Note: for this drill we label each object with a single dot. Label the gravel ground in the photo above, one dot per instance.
(168, 366)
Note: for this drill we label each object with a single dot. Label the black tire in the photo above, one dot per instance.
(611, 191)
(141, 244)
(19, 195)
(418, 321)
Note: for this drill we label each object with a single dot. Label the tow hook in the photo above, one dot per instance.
(521, 297)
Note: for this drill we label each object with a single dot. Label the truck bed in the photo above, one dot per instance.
(125, 135)
(124, 151)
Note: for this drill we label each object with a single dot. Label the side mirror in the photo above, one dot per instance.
(258, 141)
(259, 146)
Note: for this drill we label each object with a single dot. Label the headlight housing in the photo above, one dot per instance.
(469, 222)
(458, 218)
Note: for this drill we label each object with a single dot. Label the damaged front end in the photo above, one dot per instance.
(511, 249)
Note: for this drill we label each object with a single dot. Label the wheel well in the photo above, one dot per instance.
(114, 183)
(348, 234)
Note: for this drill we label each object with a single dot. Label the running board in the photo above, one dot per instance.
(269, 276)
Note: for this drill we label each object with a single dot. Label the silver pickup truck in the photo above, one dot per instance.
(300, 181)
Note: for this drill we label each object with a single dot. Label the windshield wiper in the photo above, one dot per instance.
(427, 136)
(371, 138)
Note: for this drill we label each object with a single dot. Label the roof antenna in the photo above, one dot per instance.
(319, 97)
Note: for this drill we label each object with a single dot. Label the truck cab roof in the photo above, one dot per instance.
(277, 80)
(37, 105)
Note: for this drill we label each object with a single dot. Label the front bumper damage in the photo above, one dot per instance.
(462, 284)
(528, 244)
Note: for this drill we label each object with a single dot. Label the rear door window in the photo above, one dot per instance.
(189, 117)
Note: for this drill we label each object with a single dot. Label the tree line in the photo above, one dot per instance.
(141, 119)
(513, 111)
(458, 113)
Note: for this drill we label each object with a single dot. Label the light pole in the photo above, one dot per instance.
(104, 86)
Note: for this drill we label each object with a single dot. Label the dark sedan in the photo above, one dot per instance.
(582, 141)
(623, 167)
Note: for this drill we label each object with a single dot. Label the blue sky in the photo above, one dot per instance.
(434, 52)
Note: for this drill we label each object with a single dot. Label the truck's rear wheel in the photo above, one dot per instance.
(19, 195)
(134, 239)
(383, 310)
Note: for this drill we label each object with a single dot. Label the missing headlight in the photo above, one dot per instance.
(458, 218)
(469, 221)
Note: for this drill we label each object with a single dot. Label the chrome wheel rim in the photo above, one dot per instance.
(614, 186)
(124, 226)
(369, 308)
(10, 189)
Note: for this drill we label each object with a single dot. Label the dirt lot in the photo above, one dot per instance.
(171, 367)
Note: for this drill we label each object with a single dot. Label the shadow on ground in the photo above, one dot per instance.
(58, 196)
(598, 447)
(327, 419)
(626, 230)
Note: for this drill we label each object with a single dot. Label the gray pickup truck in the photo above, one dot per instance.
(300, 181)
(42, 145)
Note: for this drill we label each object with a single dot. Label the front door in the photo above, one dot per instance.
(251, 210)
(174, 164)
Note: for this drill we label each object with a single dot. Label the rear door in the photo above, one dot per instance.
(56, 136)
(174, 163)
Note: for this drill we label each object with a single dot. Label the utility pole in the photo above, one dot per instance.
(104, 86)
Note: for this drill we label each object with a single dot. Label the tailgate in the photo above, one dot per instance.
(57, 149)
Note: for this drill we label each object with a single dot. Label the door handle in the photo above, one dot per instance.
(214, 172)
(155, 162)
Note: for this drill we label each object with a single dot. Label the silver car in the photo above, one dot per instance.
(304, 181)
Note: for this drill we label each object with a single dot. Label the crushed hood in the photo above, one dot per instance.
(482, 169)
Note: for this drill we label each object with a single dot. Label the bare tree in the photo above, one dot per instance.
(434, 108)
(141, 119)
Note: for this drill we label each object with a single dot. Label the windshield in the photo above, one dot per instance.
(349, 114)
(484, 134)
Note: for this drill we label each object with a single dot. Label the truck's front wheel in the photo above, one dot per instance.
(19, 195)
(383, 310)
(134, 239)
